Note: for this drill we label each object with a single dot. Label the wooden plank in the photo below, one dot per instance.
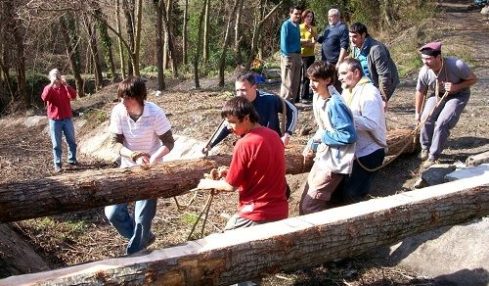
(294, 243)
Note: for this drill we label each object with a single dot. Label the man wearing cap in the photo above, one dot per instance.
(376, 60)
(440, 75)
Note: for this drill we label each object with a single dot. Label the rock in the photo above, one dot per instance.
(468, 172)
(435, 174)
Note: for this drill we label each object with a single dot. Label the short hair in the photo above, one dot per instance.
(322, 70)
(296, 7)
(248, 76)
(240, 107)
(304, 15)
(359, 28)
(133, 87)
(334, 11)
(353, 64)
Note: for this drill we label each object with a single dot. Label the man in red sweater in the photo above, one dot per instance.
(57, 96)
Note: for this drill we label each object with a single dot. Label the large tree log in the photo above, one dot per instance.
(91, 189)
(295, 243)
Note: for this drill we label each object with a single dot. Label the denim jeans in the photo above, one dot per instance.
(56, 129)
(137, 230)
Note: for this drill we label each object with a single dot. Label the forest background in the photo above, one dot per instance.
(97, 42)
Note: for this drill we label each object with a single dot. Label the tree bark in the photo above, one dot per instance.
(91, 189)
(90, 29)
(205, 41)
(227, 38)
(185, 34)
(159, 44)
(68, 33)
(119, 39)
(287, 245)
(199, 46)
(237, 34)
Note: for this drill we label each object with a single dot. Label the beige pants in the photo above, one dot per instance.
(291, 76)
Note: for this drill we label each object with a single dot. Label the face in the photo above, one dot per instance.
(333, 18)
(131, 104)
(245, 89)
(348, 77)
(295, 16)
(357, 39)
(431, 62)
(319, 85)
(309, 18)
(237, 127)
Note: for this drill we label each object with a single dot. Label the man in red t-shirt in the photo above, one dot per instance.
(257, 168)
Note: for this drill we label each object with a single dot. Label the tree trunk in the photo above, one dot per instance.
(90, 189)
(137, 37)
(119, 39)
(199, 46)
(205, 49)
(92, 43)
(106, 44)
(169, 40)
(128, 9)
(286, 245)
(185, 34)
(227, 38)
(159, 44)
(237, 35)
(68, 33)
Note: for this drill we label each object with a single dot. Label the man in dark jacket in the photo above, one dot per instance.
(376, 60)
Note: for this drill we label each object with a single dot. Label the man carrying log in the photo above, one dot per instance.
(257, 168)
(448, 80)
(142, 135)
(366, 104)
(268, 106)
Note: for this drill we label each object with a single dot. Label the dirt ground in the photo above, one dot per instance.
(25, 153)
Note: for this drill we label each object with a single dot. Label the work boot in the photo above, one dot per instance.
(423, 155)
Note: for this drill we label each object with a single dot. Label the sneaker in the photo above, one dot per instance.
(428, 163)
(57, 168)
(423, 155)
(73, 163)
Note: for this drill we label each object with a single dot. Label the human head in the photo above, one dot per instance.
(245, 86)
(350, 72)
(333, 16)
(308, 15)
(322, 70)
(358, 33)
(431, 55)
(132, 88)
(54, 75)
(240, 108)
(295, 14)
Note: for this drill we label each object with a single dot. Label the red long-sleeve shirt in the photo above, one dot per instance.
(57, 99)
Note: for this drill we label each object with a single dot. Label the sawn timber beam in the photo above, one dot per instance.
(291, 244)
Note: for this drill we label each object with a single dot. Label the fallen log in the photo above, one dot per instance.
(90, 189)
(294, 243)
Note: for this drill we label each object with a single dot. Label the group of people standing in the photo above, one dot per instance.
(349, 96)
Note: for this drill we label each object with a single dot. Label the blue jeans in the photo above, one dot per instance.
(137, 230)
(56, 129)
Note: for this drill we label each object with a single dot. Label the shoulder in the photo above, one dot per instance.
(153, 108)
(455, 62)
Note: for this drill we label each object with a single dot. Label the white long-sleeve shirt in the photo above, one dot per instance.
(366, 105)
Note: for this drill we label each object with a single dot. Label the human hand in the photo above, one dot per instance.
(142, 159)
(210, 184)
(449, 87)
(417, 117)
(154, 159)
(205, 150)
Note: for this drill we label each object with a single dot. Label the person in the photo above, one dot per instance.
(376, 60)
(290, 55)
(142, 135)
(57, 96)
(268, 106)
(335, 136)
(308, 32)
(334, 41)
(439, 75)
(257, 169)
(366, 104)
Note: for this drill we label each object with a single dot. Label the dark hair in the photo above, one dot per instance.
(353, 64)
(322, 70)
(248, 76)
(359, 28)
(296, 7)
(240, 107)
(133, 87)
(304, 15)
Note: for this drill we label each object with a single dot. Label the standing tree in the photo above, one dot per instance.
(160, 6)
(227, 37)
(198, 46)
